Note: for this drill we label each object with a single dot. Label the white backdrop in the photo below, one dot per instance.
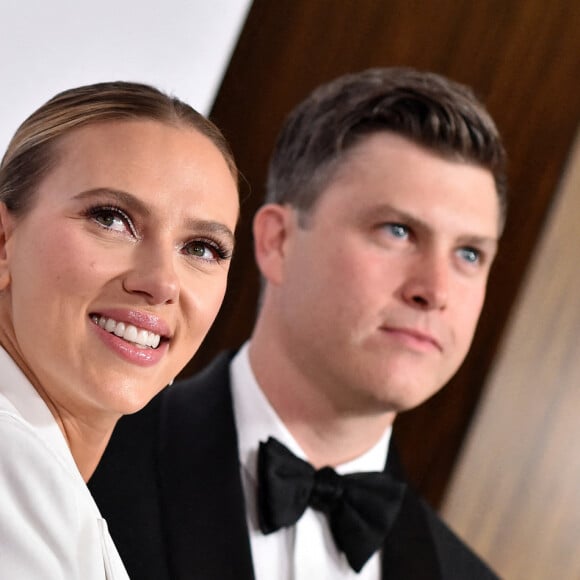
(180, 46)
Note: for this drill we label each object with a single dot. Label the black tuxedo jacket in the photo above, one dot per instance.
(169, 486)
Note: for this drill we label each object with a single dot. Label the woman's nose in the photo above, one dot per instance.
(153, 276)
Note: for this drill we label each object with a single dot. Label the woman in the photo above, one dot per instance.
(117, 211)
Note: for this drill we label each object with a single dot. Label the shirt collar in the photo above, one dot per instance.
(257, 420)
(21, 398)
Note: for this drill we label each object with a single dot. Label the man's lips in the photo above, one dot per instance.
(413, 335)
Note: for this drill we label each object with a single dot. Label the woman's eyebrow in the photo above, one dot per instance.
(123, 197)
(133, 203)
(201, 226)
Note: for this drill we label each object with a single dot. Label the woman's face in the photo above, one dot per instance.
(114, 275)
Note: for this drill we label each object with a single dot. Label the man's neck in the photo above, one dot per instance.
(327, 434)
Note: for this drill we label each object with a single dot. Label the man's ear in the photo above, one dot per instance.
(273, 223)
(6, 227)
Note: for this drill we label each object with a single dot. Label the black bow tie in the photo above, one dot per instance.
(361, 507)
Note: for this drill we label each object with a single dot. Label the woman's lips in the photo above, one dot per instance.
(137, 337)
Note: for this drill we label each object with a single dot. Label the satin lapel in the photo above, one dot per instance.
(409, 551)
(202, 496)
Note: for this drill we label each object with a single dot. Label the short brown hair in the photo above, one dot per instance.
(31, 152)
(430, 110)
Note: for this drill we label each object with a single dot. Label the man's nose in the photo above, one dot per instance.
(153, 276)
(427, 283)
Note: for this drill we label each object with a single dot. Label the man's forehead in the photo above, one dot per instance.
(382, 176)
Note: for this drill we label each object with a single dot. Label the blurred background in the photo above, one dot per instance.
(497, 450)
(180, 46)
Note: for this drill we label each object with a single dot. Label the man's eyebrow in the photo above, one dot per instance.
(133, 203)
(393, 213)
(476, 240)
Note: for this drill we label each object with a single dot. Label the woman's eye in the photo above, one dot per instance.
(113, 218)
(205, 250)
(470, 255)
(397, 230)
(110, 220)
(199, 250)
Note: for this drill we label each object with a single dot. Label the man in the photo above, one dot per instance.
(385, 203)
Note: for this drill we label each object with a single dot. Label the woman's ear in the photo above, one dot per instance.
(6, 228)
(273, 226)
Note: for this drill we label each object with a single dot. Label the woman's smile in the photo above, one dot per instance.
(134, 345)
(128, 332)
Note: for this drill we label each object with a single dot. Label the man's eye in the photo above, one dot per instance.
(470, 255)
(397, 230)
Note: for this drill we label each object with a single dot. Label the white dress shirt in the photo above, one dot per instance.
(50, 527)
(306, 550)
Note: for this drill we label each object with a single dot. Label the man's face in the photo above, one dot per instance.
(381, 289)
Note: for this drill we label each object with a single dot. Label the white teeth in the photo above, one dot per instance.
(142, 337)
(128, 332)
(120, 330)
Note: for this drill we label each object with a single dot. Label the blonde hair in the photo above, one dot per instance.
(31, 153)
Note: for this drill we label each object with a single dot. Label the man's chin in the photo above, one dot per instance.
(405, 399)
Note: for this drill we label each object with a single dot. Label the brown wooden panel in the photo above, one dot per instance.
(522, 58)
(515, 496)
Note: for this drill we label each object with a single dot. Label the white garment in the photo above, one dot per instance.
(50, 527)
(305, 551)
